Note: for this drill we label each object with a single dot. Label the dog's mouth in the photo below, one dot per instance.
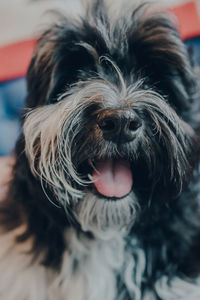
(112, 178)
(109, 203)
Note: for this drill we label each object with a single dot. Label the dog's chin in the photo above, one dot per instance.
(109, 203)
(104, 216)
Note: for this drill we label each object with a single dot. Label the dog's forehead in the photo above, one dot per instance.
(141, 47)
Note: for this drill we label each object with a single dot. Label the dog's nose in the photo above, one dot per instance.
(119, 126)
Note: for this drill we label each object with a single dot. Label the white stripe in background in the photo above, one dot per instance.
(20, 19)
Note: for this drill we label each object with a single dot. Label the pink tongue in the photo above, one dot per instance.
(113, 178)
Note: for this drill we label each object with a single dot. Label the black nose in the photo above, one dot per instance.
(119, 126)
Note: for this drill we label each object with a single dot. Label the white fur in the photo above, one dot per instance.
(98, 262)
(97, 215)
(178, 289)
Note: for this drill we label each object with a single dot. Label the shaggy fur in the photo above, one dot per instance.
(60, 238)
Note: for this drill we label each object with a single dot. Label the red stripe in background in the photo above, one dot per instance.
(189, 20)
(15, 58)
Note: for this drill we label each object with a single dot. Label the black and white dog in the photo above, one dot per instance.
(105, 197)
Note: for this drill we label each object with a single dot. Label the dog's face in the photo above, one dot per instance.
(109, 125)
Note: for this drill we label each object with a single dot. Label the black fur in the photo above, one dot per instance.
(147, 48)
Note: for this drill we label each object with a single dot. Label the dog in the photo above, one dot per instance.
(104, 202)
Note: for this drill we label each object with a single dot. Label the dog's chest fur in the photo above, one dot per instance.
(91, 270)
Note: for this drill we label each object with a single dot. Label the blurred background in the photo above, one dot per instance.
(20, 24)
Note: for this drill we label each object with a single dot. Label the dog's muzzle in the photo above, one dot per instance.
(113, 177)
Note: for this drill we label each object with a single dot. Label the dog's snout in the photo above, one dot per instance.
(119, 125)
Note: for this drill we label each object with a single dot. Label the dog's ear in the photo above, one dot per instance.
(163, 58)
(57, 61)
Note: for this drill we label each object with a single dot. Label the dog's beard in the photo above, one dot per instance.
(102, 216)
(56, 145)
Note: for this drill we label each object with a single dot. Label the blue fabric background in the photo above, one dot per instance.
(12, 97)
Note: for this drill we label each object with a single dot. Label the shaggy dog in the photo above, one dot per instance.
(105, 197)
